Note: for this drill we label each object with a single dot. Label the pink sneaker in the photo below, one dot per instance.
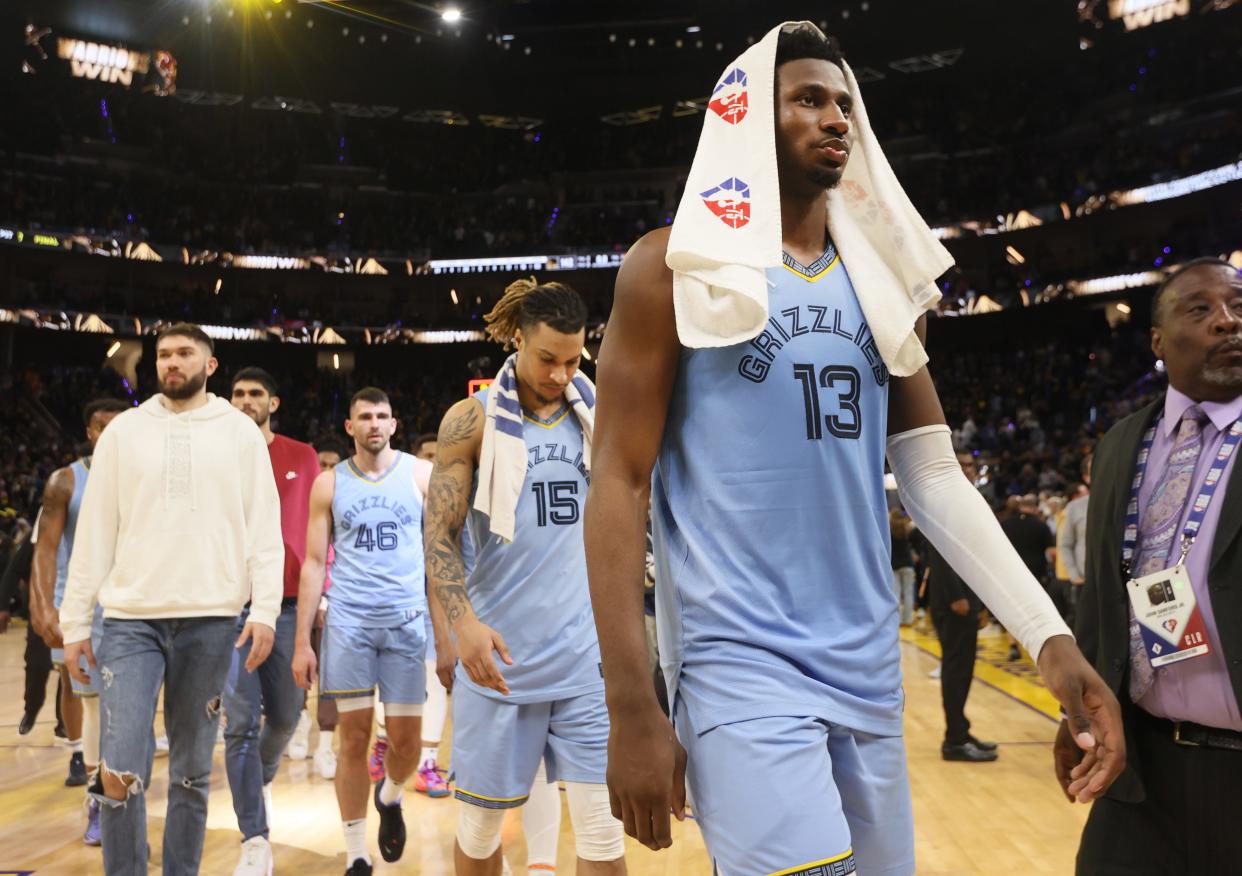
(428, 780)
(375, 766)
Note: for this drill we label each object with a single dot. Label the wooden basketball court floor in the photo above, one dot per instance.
(1006, 817)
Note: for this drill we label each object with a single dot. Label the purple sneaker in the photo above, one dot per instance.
(428, 780)
(92, 836)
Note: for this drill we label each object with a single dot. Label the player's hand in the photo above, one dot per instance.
(475, 643)
(305, 666)
(646, 776)
(261, 638)
(1094, 723)
(446, 662)
(74, 652)
(49, 631)
(960, 607)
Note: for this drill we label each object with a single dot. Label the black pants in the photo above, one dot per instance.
(1059, 590)
(1187, 826)
(38, 667)
(958, 638)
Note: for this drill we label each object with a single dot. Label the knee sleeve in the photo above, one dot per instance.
(541, 820)
(353, 704)
(90, 730)
(478, 830)
(403, 710)
(597, 835)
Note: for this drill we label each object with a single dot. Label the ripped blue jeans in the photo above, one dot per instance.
(190, 658)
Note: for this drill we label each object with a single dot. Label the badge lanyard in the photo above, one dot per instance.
(1198, 511)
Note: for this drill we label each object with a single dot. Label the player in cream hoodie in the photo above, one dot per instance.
(179, 529)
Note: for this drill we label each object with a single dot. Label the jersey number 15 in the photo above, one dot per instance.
(559, 497)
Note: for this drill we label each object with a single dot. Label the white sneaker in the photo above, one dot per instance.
(268, 810)
(161, 746)
(935, 673)
(325, 763)
(256, 858)
(299, 743)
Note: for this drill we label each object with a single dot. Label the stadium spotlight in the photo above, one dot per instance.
(451, 15)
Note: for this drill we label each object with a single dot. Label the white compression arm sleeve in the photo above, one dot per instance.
(960, 525)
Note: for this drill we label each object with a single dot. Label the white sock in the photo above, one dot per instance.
(325, 744)
(391, 792)
(355, 840)
(74, 746)
(429, 754)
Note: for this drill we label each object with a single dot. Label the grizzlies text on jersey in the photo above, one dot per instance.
(770, 521)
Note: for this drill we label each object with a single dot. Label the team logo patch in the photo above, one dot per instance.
(730, 201)
(729, 100)
(1170, 624)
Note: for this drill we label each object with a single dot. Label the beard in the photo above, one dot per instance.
(187, 388)
(826, 179)
(261, 417)
(1226, 376)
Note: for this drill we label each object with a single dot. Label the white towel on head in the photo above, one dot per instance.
(503, 457)
(728, 226)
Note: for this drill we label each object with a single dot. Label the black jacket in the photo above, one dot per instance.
(1103, 615)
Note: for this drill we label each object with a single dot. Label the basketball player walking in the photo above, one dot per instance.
(370, 510)
(526, 598)
(778, 624)
(57, 523)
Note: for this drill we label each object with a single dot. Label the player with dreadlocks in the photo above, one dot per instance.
(513, 465)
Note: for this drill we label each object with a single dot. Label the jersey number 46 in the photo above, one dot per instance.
(383, 537)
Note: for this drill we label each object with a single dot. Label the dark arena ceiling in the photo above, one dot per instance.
(544, 59)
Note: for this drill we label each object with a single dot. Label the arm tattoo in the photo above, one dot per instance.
(458, 429)
(447, 500)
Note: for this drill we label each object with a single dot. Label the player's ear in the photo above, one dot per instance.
(212, 364)
(274, 404)
(349, 428)
(518, 339)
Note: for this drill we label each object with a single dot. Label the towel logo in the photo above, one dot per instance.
(729, 100)
(730, 201)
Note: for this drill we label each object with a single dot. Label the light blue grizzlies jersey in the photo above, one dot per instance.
(533, 590)
(770, 522)
(64, 550)
(377, 534)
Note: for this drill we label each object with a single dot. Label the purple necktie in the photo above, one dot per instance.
(1160, 531)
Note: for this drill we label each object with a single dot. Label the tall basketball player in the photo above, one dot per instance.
(526, 598)
(58, 520)
(778, 625)
(262, 707)
(370, 510)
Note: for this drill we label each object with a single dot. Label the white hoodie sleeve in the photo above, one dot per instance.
(94, 544)
(265, 546)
